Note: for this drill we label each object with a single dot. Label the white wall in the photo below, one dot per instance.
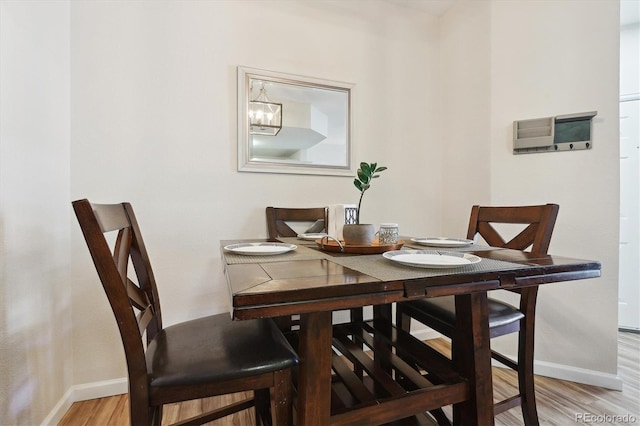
(35, 303)
(530, 60)
(465, 65)
(545, 62)
(152, 104)
(153, 107)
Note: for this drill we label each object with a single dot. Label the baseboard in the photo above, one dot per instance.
(119, 386)
(556, 371)
(578, 375)
(59, 410)
(572, 374)
(82, 393)
(425, 334)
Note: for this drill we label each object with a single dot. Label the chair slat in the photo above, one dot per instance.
(524, 239)
(285, 230)
(490, 235)
(111, 217)
(510, 215)
(137, 297)
(144, 318)
(122, 250)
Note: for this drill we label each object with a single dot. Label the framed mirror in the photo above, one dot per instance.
(293, 124)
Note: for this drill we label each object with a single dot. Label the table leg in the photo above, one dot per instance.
(472, 356)
(314, 371)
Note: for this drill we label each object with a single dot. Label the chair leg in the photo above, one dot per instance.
(262, 407)
(156, 415)
(140, 413)
(527, 389)
(440, 417)
(402, 321)
(357, 314)
(525, 360)
(282, 398)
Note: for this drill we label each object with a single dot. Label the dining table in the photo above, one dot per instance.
(313, 282)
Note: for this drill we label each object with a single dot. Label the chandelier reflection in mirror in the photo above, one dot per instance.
(310, 128)
(265, 117)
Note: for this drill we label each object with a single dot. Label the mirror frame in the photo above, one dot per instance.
(245, 164)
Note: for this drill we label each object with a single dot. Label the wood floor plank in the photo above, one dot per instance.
(559, 402)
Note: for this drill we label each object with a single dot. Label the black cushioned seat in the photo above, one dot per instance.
(444, 308)
(213, 348)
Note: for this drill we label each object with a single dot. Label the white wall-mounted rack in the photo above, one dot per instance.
(569, 132)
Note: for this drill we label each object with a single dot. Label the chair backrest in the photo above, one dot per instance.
(277, 218)
(540, 221)
(136, 306)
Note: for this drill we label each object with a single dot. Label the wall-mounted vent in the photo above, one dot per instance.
(568, 132)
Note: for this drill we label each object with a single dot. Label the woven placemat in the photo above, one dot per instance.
(300, 253)
(298, 241)
(407, 244)
(387, 270)
(472, 247)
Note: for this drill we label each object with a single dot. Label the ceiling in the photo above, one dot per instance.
(629, 9)
(432, 7)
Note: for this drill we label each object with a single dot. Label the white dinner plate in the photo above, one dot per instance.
(312, 236)
(260, 249)
(442, 242)
(431, 258)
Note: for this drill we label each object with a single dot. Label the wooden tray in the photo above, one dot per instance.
(374, 248)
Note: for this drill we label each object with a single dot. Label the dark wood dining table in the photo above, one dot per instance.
(312, 283)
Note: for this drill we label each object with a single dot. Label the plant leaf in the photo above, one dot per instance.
(365, 174)
(364, 177)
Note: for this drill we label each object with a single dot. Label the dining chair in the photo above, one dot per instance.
(279, 218)
(195, 359)
(439, 312)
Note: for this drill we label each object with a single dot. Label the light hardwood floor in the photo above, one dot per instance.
(559, 402)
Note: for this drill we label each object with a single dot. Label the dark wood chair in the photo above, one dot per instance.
(279, 217)
(439, 313)
(195, 359)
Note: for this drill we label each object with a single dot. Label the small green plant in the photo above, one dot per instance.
(366, 173)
